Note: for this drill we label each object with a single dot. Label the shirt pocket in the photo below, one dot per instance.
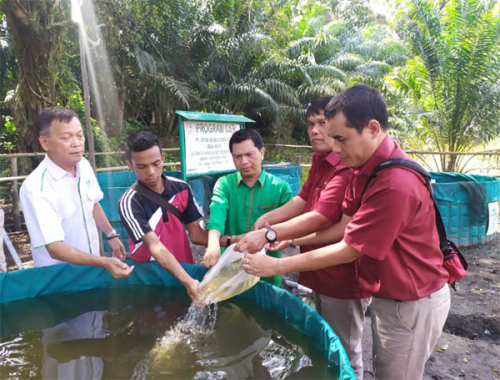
(263, 209)
(89, 200)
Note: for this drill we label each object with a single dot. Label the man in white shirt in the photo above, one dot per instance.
(60, 200)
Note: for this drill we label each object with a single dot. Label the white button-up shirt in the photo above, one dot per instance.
(58, 207)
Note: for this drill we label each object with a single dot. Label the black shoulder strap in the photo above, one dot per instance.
(156, 198)
(443, 241)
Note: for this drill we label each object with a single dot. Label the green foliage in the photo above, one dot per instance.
(453, 84)
(8, 135)
(268, 59)
(134, 126)
(76, 103)
(305, 174)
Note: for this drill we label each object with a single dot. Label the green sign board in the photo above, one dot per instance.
(204, 139)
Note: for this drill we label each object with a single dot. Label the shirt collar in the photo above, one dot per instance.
(261, 180)
(333, 159)
(381, 154)
(56, 171)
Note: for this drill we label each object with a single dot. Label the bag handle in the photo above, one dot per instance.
(157, 198)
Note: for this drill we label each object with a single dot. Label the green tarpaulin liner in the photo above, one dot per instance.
(68, 278)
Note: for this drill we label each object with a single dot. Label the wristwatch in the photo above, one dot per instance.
(270, 235)
(112, 235)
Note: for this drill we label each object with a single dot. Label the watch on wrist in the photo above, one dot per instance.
(228, 240)
(112, 234)
(270, 235)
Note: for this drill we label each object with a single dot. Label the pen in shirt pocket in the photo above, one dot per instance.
(264, 208)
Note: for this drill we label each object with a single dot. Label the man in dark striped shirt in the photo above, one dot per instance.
(155, 233)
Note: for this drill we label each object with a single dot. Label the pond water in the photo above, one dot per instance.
(143, 332)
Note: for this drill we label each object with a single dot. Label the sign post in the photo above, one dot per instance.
(204, 140)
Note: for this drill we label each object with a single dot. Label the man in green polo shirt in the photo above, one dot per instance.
(239, 199)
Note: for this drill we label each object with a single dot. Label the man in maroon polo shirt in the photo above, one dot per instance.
(339, 297)
(392, 234)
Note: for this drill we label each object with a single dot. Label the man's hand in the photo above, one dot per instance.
(212, 255)
(260, 223)
(194, 292)
(118, 249)
(253, 242)
(117, 268)
(261, 265)
(278, 245)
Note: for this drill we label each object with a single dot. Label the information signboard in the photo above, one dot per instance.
(207, 146)
(204, 139)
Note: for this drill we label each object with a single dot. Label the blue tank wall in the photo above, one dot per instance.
(114, 184)
(463, 203)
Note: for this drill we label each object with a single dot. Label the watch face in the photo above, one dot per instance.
(271, 235)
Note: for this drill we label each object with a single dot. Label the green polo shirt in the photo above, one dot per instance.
(235, 207)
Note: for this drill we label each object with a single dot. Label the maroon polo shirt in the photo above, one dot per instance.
(323, 192)
(394, 228)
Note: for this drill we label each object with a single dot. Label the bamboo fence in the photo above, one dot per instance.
(14, 179)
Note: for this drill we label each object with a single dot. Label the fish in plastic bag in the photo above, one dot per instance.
(227, 278)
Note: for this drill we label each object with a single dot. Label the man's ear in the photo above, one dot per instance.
(263, 152)
(130, 166)
(44, 143)
(163, 157)
(374, 127)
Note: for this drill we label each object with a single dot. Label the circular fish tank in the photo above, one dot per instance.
(468, 205)
(69, 321)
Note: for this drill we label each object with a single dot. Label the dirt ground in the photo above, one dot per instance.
(469, 347)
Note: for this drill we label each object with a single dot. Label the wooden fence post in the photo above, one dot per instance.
(15, 195)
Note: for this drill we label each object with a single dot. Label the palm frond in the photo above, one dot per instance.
(281, 92)
(319, 88)
(179, 91)
(145, 61)
(393, 52)
(249, 94)
(374, 69)
(346, 61)
(296, 47)
(316, 71)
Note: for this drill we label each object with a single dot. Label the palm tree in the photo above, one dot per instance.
(453, 83)
(37, 29)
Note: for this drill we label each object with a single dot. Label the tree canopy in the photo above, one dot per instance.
(436, 63)
(452, 82)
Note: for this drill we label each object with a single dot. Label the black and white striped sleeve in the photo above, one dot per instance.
(132, 215)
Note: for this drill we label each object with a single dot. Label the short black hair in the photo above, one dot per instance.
(246, 134)
(48, 115)
(318, 105)
(359, 104)
(140, 142)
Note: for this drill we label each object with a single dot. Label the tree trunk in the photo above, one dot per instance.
(451, 163)
(37, 29)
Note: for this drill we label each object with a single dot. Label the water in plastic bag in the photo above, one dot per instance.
(227, 278)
